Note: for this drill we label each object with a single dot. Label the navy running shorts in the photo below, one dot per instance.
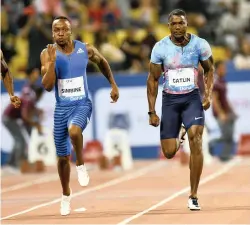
(178, 109)
(64, 116)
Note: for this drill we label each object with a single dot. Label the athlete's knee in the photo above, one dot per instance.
(169, 149)
(195, 139)
(196, 143)
(74, 132)
(169, 155)
(63, 159)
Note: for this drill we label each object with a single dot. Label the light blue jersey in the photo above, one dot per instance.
(180, 63)
(71, 80)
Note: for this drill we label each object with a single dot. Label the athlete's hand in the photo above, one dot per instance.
(51, 52)
(206, 103)
(15, 101)
(114, 94)
(154, 120)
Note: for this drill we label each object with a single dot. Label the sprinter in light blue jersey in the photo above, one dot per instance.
(177, 57)
(64, 67)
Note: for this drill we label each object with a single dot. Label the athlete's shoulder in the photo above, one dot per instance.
(159, 44)
(204, 48)
(159, 50)
(80, 43)
(163, 41)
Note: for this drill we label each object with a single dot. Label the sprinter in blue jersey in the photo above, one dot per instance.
(64, 67)
(177, 57)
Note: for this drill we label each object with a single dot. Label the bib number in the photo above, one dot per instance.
(73, 87)
(181, 79)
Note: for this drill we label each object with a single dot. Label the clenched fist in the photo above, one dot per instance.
(114, 94)
(154, 120)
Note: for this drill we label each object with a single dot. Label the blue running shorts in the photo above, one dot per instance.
(178, 109)
(64, 116)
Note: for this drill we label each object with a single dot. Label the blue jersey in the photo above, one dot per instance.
(71, 80)
(180, 63)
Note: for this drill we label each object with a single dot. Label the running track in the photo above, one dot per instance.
(154, 192)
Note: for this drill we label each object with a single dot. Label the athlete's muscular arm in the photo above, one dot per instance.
(155, 71)
(48, 58)
(208, 66)
(8, 82)
(96, 57)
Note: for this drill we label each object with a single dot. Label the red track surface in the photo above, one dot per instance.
(119, 197)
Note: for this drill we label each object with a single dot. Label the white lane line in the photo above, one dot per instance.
(26, 184)
(213, 176)
(80, 209)
(113, 182)
(30, 183)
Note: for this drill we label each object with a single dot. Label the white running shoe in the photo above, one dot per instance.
(193, 204)
(65, 204)
(83, 177)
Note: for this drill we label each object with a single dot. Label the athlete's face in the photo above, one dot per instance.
(178, 26)
(61, 30)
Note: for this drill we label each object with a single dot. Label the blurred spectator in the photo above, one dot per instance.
(31, 19)
(113, 54)
(142, 13)
(124, 7)
(112, 15)
(7, 38)
(78, 15)
(53, 8)
(196, 11)
(147, 44)
(223, 111)
(245, 9)
(132, 50)
(14, 9)
(242, 59)
(231, 26)
(15, 119)
(30, 87)
(38, 33)
(95, 12)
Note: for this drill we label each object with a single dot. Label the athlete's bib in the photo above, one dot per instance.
(182, 79)
(71, 88)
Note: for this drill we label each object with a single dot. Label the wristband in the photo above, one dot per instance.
(152, 112)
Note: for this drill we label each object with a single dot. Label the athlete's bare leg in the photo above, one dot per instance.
(75, 133)
(63, 166)
(171, 145)
(196, 157)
